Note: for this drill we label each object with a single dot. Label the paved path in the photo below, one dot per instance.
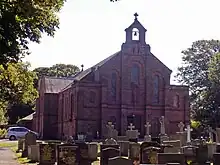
(7, 157)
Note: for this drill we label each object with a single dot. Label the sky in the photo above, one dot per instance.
(91, 30)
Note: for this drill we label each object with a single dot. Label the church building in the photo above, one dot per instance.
(130, 86)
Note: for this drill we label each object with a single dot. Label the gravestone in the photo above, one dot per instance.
(119, 161)
(20, 144)
(181, 126)
(176, 146)
(148, 152)
(124, 147)
(47, 154)
(164, 158)
(30, 139)
(103, 147)
(132, 134)
(111, 131)
(190, 152)
(68, 154)
(93, 151)
(163, 135)
(84, 158)
(147, 136)
(134, 151)
(108, 153)
(202, 154)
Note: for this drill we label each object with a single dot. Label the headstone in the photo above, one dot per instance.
(47, 154)
(148, 152)
(124, 147)
(147, 136)
(33, 153)
(110, 141)
(93, 151)
(190, 153)
(84, 154)
(202, 154)
(181, 126)
(110, 129)
(132, 134)
(210, 131)
(119, 161)
(103, 147)
(163, 135)
(108, 153)
(134, 151)
(164, 158)
(176, 146)
(30, 139)
(188, 134)
(67, 154)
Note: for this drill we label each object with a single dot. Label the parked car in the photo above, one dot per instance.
(14, 133)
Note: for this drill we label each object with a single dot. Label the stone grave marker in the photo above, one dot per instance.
(30, 139)
(84, 158)
(93, 151)
(148, 152)
(104, 146)
(163, 135)
(147, 136)
(164, 158)
(20, 144)
(47, 154)
(108, 153)
(124, 147)
(190, 152)
(119, 161)
(132, 134)
(181, 126)
(67, 154)
(134, 151)
(176, 146)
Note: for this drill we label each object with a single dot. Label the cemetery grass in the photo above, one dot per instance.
(8, 144)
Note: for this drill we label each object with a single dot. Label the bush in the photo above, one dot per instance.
(2, 133)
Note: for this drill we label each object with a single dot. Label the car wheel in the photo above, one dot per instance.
(12, 137)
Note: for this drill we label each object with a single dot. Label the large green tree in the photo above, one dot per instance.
(17, 87)
(57, 70)
(23, 21)
(195, 73)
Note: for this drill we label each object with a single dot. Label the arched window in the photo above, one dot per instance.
(156, 89)
(135, 34)
(114, 84)
(135, 74)
(176, 101)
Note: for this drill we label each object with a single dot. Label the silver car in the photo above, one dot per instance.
(14, 133)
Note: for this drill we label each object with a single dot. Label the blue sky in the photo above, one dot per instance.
(91, 30)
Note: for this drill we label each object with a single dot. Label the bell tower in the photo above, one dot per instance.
(135, 38)
(135, 32)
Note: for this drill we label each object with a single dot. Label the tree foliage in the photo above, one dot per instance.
(195, 73)
(57, 70)
(17, 83)
(23, 21)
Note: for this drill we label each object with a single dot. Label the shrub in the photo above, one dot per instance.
(2, 133)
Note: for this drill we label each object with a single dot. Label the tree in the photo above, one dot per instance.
(24, 21)
(58, 70)
(195, 73)
(17, 83)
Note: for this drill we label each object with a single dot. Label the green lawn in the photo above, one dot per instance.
(8, 144)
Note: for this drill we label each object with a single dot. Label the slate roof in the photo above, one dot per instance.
(56, 85)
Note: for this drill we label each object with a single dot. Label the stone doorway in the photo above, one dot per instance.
(135, 120)
(155, 127)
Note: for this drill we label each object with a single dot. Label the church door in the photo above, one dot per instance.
(155, 127)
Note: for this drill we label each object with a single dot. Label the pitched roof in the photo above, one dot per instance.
(55, 85)
(29, 117)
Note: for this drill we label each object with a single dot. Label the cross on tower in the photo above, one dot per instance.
(131, 127)
(181, 126)
(136, 15)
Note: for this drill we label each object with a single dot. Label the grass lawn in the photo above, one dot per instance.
(8, 144)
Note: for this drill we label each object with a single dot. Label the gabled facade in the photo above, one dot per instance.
(131, 86)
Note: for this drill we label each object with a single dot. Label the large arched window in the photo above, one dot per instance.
(113, 84)
(156, 82)
(135, 74)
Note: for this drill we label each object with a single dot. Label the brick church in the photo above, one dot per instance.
(130, 86)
